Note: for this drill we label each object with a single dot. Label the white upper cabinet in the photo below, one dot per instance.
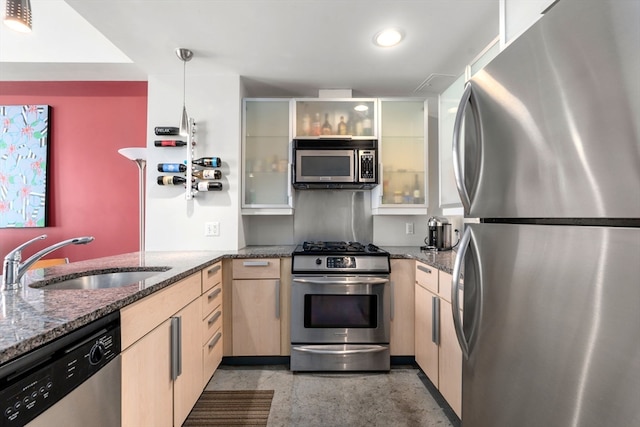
(266, 148)
(516, 16)
(333, 118)
(402, 187)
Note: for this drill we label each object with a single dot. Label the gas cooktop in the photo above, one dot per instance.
(339, 257)
(331, 248)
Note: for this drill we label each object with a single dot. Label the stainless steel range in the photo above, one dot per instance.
(340, 302)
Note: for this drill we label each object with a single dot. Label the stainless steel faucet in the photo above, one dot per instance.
(13, 270)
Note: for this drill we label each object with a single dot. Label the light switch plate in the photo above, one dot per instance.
(408, 227)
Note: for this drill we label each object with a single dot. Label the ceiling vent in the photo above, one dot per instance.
(436, 82)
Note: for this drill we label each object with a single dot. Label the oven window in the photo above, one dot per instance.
(326, 166)
(340, 311)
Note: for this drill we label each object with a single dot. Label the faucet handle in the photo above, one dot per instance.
(16, 254)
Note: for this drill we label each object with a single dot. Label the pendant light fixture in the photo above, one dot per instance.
(185, 55)
(18, 15)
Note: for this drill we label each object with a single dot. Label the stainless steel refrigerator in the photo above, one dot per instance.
(547, 157)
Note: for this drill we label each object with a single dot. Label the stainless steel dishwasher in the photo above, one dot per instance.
(72, 381)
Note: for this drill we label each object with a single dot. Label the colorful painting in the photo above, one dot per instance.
(24, 142)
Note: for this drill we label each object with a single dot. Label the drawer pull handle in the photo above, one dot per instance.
(214, 318)
(214, 294)
(214, 269)
(215, 340)
(255, 263)
(423, 268)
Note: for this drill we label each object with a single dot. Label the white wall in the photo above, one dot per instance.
(172, 222)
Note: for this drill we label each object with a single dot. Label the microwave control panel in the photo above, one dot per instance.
(367, 165)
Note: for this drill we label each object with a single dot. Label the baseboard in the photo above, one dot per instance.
(440, 400)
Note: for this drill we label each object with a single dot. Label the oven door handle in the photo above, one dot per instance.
(363, 349)
(330, 281)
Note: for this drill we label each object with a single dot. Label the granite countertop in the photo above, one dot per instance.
(30, 317)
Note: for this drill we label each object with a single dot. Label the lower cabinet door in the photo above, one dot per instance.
(450, 368)
(212, 354)
(188, 385)
(256, 317)
(147, 389)
(426, 349)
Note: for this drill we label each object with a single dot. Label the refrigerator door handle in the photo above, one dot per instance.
(458, 159)
(466, 343)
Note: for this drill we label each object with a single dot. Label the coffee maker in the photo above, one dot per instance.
(439, 234)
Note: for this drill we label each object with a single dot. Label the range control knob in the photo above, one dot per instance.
(96, 353)
(318, 261)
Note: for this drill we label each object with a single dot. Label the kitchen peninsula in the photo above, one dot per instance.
(31, 317)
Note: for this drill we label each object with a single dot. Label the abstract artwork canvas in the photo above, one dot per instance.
(24, 142)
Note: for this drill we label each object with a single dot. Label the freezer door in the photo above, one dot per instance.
(550, 126)
(551, 325)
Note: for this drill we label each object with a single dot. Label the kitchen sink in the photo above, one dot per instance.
(101, 279)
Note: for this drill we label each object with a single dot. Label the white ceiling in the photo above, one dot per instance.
(280, 47)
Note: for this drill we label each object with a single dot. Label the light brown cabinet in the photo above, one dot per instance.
(212, 318)
(437, 349)
(256, 307)
(161, 374)
(402, 307)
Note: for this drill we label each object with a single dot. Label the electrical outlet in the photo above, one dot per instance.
(408, 228)
(212, 229)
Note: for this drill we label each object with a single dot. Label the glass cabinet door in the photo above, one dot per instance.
(317, 118)
(265, 153)
(403, 155)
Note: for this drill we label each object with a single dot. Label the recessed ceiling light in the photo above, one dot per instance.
(361, 107)
(387, 38)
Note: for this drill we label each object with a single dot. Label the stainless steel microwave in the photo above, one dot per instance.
(335, 163)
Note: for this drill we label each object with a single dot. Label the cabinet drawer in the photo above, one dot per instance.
(211, 276)
(257, 268)
(444, 287)
(142, 316)
(427, 277)
(211, 299)
(212, 356)
(211, 324)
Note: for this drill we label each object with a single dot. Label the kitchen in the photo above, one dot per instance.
(175, 206)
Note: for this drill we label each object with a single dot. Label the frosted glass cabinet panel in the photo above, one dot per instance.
(448, 105)
(316, 118)
(266, 156)
(403, 157)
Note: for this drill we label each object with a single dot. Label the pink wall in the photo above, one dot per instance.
(92, 190)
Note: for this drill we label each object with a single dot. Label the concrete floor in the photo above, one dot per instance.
(397, 398)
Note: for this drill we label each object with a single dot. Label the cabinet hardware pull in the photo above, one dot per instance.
(435, 320)
(176, 347)
(392, 287)
(214, 318)
(255, 263)
(214, 269)
(277, 299)
(213, 294)
(423, 268)
(215, 340)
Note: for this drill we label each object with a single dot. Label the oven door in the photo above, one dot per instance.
(340, 310)
(325, 166)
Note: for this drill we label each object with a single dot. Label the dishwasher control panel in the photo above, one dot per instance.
(34, 382)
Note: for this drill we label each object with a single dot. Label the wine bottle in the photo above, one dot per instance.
(166, 130)
(366, 125)
(326, 126)
(169, 143)
(171, 167)
(207, 174)
(306, 125)
(207, 186)
(208, 162)
(315, 125)
(171, 180)
(342, 127)
(416, 190)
